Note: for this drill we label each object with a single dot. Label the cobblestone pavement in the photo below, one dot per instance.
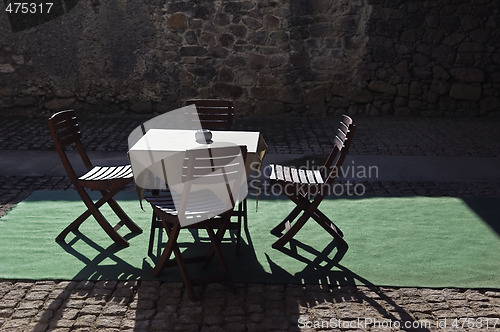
(46, 305)
(380, 136)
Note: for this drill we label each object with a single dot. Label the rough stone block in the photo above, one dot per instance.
(6, 68)
(186, 79)
(59, 103)
(360, 96)
(178, 22)
(468, 74)
(256, 61)
(142, 107)
(289, 95)
(439, 87)
(25, 101)
(193, 50)
(299, 59)
(269, 108)
(382, 87)
(314, 96)
(227, 90)
(238, 30)
(403, 90)
(465, 92)
(490, 104)
(468, 47)
(263, 93)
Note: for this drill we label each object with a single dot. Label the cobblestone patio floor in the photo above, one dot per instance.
(46, 305)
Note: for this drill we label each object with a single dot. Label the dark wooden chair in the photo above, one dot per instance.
(307, 188)
(214, 166)
(213, 114)
(109, 180)
(217, 114)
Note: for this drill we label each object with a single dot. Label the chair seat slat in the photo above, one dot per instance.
(295, 175)
(286, 174)
(104, 173)
(302, 175)
(272, 176)
(279, 173)
(317, 175)
(310, 177)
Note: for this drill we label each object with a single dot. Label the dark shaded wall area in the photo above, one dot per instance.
(319, 57)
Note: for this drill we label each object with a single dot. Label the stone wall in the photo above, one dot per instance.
(432, 58)
(293, 57)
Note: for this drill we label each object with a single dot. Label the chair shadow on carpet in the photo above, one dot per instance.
(247, 257)
(315, 273)
(94, 269)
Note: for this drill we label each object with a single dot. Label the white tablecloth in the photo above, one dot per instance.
(157, 157)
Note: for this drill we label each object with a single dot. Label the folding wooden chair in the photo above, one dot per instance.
(213, 114)
(307, 188)
(109, 180)
(222, 166)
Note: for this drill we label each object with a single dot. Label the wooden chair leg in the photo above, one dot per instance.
(181, 263)
(310, 211)
(110, 230)
(93, 210)
(245, 215)
(290, 233)
(320, 215)
(154, 226)
(331, 228)
(78, 221)
(278, 230)
(172, 247)
(241, 214)
(238, 228)
(216, 240)
(317, 214)
(219, 235)
(302, 204)
(124, 218)
(173, 234)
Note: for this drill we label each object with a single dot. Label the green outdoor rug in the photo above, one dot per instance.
(409, 241)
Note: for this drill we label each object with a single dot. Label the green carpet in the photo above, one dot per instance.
(411, 241)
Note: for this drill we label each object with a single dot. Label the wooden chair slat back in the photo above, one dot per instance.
(214, 165)
(65, 131)
(65, 128)
(213, 114)
(339, 140)
(341, 155)
(196, 170)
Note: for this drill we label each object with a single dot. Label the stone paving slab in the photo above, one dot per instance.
(156, 306)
